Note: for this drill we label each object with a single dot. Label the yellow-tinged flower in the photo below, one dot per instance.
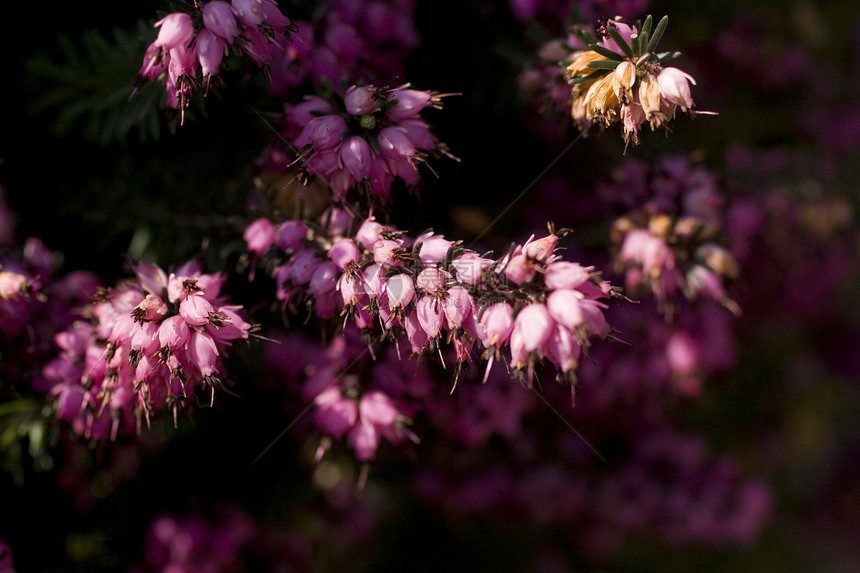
(601, 101)
(651, 100)
(579, 64)
(623, 79)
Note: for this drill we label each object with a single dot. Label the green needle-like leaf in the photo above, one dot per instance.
(646, 27)
(603, 64)
(658, 33)
(606, 52)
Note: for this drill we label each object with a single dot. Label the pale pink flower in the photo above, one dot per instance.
(675, 87)
(176, 29)
(218, 18)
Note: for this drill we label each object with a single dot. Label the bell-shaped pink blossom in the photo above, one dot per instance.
(289, 234)
(150, 277)
(175, 29)
(218, 18)
(469, 267)
(562, 349)
(540, 249)
(409, 103)
(497, 323)
(260, 235)
(458, 306)
(400, 290)
(376, 407)
(675, 87)
(335, 414)
(356, 156)
(430, 315)
(566, 275)
(203, 353)
(210, 51)
(324, 280)
(565, 307)
(249, 12)
(360, 100)
(195, 309)
(520, 269)
(364, 439)
(344, 253)
(434, 248)
(432, 280)
(535, 325)
(173, 333)
(323, 133)
(230, 328)
(385, 252)
(145, 338)
(415, 332)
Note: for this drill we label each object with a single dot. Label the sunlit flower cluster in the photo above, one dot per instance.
(365, 138)
(153, 342)
(430, 290)
(621, 78)
(189, 48)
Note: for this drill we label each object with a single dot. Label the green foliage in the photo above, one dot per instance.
(88, 91)
(23, 438)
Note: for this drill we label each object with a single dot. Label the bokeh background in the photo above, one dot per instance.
(755, 469)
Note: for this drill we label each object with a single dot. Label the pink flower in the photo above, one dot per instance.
(535, 326)
(335, 414)
(290, 234)
(203, 353)
(458, 307)
(401, 290)
(173, 333)
(196, 309)
(344, 253)
(430, 315)
(377, 408)
(675, 87)
(566, 275)
(152, 308)
(210, 50)
(469, 267)
(565, 307)
(176, 30)
(432, 280)
(260, 235)
(218, 18)
(249, 12)
(360, 100)
(434, 248)
(364, 439)
(356, 156)
(498, 323)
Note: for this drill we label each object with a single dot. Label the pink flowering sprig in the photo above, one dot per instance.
(620, 77)
(673, 243)
(189, 48)
(365, 138)
(368, 40)
(523, 308)
(153, 342)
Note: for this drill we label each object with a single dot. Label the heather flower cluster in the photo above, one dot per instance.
(153, 342)
(189, 48)
(526, 306)
(621, 78)
(673, 240)
(366, 139)
(357, 39)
